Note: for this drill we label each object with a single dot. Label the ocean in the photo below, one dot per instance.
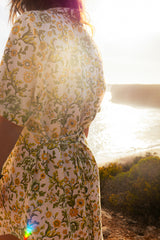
(122, 130)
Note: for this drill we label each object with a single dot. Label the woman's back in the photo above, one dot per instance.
(55, 87)
(69, 73)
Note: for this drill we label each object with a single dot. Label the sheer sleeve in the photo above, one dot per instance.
(101, 85)
(17, 80)
(95, 97)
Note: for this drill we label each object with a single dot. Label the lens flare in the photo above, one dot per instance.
(28, 231)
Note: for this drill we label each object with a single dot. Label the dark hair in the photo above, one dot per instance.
(20, 6)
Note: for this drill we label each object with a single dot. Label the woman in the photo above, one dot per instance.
(51, 87)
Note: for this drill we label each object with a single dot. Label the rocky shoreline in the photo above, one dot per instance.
(118, 227)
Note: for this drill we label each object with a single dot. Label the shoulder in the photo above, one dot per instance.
(23, 23)
(28, 17)
(36, 19)
(33, 18)
(35, 15)
(22, 34)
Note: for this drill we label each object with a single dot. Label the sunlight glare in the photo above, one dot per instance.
(123, 129)
(125, 17)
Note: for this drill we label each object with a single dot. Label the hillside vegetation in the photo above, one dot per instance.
(133, 189)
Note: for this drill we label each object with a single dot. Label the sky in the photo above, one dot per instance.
(127, 33)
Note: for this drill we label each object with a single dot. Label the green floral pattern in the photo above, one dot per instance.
(51, 83)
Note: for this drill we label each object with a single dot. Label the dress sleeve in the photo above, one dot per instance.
(101, 85)
(95, 97)
(17, 82)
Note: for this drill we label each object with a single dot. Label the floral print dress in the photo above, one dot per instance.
(51, 83)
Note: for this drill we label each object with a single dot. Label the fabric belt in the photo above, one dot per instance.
(75, 138)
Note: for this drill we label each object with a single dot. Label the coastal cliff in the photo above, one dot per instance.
(136, 94)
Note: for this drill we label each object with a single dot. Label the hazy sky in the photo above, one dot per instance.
(127, 33)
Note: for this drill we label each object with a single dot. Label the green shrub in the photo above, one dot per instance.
(111, 170)
(135, 192)
(106, 173)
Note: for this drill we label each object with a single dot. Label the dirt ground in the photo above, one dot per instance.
(118, 227)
